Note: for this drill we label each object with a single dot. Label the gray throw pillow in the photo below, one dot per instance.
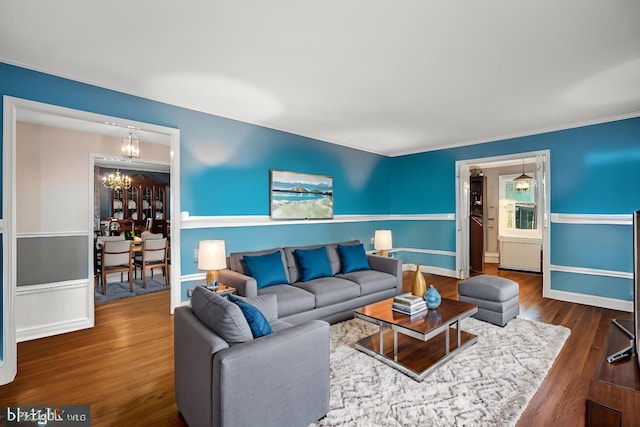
(266, 303)
(221, 316)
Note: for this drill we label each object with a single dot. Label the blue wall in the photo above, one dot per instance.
(225, 171)
(224, 165)
(594, 171)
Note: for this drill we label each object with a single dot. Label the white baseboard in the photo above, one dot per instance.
(430, 270)
(596, 301)
(492, 257)
(53, 308)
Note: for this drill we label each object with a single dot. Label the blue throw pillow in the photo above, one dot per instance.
(257, 322)
(354, 258)
(267, 269)
(313, 263)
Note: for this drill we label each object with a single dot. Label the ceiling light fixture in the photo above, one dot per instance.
(522, 182)
(130, 145)
(117, 182)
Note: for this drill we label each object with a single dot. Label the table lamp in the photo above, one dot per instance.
(211, 257)
(383, 242)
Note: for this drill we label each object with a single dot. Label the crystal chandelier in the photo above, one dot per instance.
(130, 145)
(117, 182)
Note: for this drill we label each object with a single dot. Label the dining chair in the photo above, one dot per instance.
(97, 250)
(152, 255)
(115, 257)
(149, 235)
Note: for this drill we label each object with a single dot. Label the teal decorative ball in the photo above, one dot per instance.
(432, 297)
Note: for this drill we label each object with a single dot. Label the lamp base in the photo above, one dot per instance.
(383, 252)
(212, 279)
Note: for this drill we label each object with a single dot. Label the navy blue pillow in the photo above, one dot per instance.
(256, 320)
(267, 269)
(354, 258)
(313, 263)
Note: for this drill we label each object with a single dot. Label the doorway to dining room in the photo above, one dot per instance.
(52, 177)
(136, 213)
(47, 224)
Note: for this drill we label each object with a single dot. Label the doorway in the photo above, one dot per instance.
(487, 212)
(141, 209)
(53, 297)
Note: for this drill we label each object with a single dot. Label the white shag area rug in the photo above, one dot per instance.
(489, 384)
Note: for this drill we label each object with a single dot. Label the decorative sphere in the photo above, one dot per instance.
(432, 298)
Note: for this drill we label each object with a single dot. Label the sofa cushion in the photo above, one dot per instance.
(353, 257)
(257, 322)
(266, 303)
(220, 315)
(313, 263)
(267, 269)
(236, 260)
(291, 299)
(332, 252)
(371, 281)
(330, 290)
(280, 325)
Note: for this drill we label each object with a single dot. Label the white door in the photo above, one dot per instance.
(462, 220)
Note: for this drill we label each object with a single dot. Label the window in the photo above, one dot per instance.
(525, 216)
(518, 208)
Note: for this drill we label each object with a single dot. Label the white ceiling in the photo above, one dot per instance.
(389, 77)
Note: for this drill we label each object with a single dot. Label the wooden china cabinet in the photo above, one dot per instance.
(146, 199)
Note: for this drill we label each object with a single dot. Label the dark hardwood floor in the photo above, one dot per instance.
(123, 367)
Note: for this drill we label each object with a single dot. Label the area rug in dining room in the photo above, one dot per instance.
(489, 384)
(120, 290)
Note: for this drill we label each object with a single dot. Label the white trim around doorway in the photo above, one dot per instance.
(462, 208)
(16, 109)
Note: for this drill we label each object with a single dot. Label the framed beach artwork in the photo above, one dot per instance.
(300, 195)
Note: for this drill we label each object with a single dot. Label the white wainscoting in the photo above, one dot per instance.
(594, 300)
(438, 271)
(53, 308)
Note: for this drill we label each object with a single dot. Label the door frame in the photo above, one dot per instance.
(63, 117)
(543, 186)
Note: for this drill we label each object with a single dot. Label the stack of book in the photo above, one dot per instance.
(408, 304)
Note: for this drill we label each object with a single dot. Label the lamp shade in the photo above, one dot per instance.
(382, 240)
(212, 255)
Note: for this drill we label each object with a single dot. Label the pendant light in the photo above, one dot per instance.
(522, 182)
(130, 145)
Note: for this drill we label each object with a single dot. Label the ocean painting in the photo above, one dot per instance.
(301, 196)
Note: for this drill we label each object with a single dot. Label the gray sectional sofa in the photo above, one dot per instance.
(232, 369)
(332, 297)
(224, 377)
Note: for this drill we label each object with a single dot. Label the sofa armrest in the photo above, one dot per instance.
(194, 345)
(245, 285)
(387, 265)
(280, 379)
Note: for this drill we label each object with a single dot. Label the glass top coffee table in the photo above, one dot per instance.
(416, 345)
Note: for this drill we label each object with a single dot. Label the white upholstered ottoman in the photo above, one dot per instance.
(496, 297)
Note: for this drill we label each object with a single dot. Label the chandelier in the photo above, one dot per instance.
(522, 182)
(117, 182)
(130, 145)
